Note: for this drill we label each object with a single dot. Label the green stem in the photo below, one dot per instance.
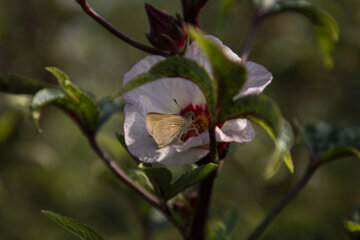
(284, 201)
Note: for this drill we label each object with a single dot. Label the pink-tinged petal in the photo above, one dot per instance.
(237, 130)
(142, 145)
(197, 141)
(258, 78)
(162, 92)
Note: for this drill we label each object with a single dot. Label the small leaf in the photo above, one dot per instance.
(230, 75)
(177, 67)
(326, 143)
(88, 111)
(326, 28)
(220, 232)
(82, 231)
(281, 154)
(160, 179)
(16, 84)
(190, 178)
(141, 178)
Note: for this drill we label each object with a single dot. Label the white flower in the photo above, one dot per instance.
(158, 96)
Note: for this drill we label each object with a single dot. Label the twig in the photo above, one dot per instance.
(245, 52)
(284, 201)
(94, 15)
(122, 176)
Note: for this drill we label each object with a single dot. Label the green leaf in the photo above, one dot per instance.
(225, 7)
(352, 227)
(326, 143)
(230, 75)
(230, 219)
(177, 67)
(256, 108)
(220, 232)
(141, 179)
(50, 96)
(282, 151)
(160, 179)
(82, 231)
(263, 111)
(16, 84)
(326, 28)
(190, 178)
(88, 111)
(108, 107)
(9, 122)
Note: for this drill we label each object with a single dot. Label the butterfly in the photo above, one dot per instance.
(165, 127)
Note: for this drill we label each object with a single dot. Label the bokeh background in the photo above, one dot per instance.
(57, 170)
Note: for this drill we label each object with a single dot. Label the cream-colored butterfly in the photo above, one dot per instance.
(165, 127)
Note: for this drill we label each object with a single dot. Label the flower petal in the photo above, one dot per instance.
(258, 78)
(237, 130)
(141, 144)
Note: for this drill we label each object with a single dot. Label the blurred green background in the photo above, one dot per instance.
(57, 170)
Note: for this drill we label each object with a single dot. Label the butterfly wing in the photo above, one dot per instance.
(165, 128)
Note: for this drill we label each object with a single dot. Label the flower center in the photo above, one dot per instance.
(200, 122)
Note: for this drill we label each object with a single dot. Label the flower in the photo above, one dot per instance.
(178, 96)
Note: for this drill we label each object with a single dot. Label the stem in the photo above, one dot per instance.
(284, 201)
(94, 15)
(197, 229)
(122, 176)
(251, 37)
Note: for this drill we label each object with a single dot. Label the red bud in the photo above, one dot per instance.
(166, 32)
(191, 10)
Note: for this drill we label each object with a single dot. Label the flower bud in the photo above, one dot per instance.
(191, 10)
(166, 32)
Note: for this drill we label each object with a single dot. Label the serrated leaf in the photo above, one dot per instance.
(80, 230)
(326, 28)
(282, 151)
(17, 84)
(177, 67)
(160, 179)
(230, 75)
(326, 143)
(88, 111)
(190, 178)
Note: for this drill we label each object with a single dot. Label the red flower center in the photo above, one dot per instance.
(200, 121)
